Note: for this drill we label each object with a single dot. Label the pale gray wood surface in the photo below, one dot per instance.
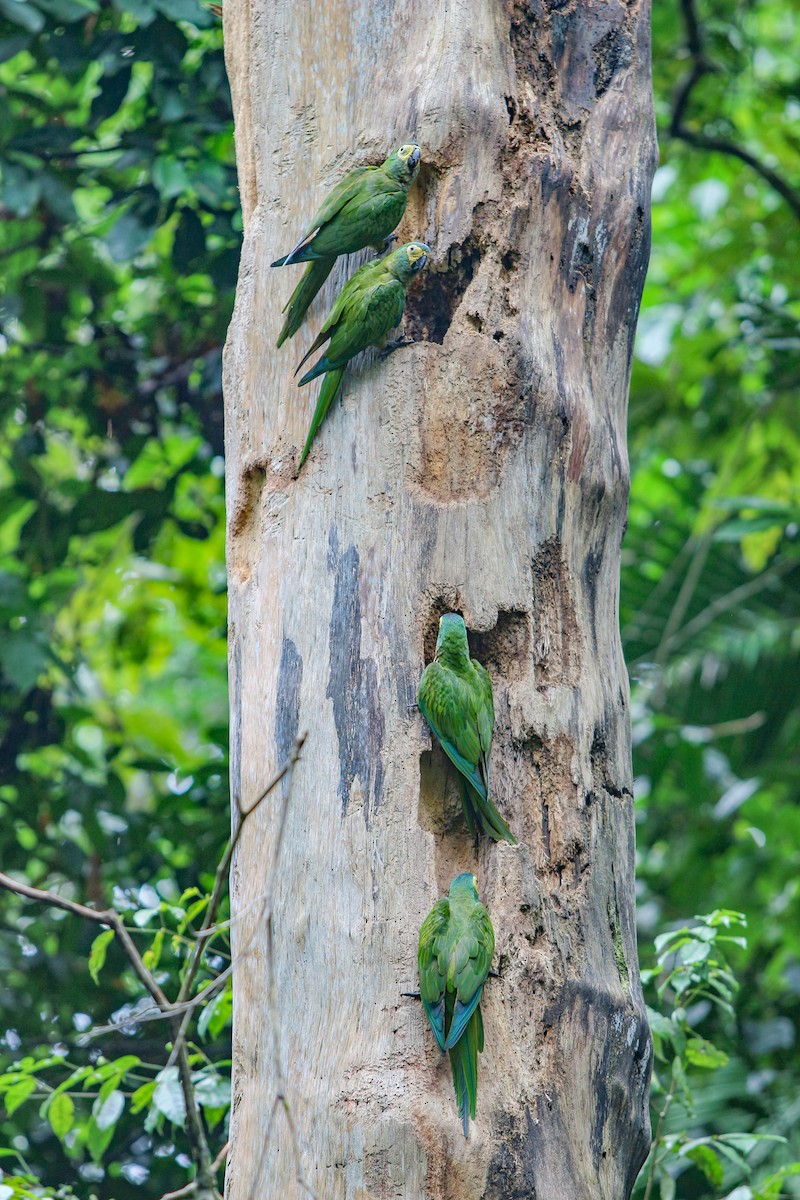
(484, 470)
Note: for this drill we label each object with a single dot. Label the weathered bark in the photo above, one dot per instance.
(483, 469)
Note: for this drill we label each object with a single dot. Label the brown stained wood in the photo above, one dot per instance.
(482, 469)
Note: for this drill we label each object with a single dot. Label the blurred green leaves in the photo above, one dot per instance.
(710, 607)
(118, 256)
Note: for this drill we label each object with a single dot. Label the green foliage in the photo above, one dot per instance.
(118, 255)
(84, 1098)
(691, 979)
(710, 605)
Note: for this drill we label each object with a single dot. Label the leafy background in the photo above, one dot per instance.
(118, 256)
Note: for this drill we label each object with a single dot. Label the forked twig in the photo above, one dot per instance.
(220, 881)
(198, 1142)
(203, 1187)
(678, 128)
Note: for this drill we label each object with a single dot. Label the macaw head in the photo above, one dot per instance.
(403, 163)
(452, 637)
(407, 260)
(417, 253)
(465, 884)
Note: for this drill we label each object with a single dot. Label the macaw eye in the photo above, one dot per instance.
(408, 154)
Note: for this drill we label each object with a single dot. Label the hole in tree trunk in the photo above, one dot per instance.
(432, 302)
(505, 649)
(439, 795)
(438, 606)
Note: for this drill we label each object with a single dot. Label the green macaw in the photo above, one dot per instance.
(455, 698)
(456, 944)
(369, 305)
(362, 210)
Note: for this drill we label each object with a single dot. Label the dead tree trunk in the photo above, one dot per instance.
(484, 469)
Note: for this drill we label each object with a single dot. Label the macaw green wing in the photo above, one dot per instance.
(479, 810)
(298, 303)
(363, 319)
(347, 301)
(445, 706)
(360, 211)
(432, 972)
(337, 198)
(342, 194)
(473, 953)
(485, 711)
(365, 220)
(327, 394)
(367, 318)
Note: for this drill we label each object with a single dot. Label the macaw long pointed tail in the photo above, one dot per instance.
(300, 254)
(296, 308)
(464, 1064)
(327, 394)
(486, 816)
(468, 808)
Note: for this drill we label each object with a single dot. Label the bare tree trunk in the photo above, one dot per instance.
(483, 469)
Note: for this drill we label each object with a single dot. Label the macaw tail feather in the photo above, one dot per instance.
(464, 1064)
(469, 809)
(321, 367)
(298, 303)
(303, 252)
(327, 394)
(479, 810)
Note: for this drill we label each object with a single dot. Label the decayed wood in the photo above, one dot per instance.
(482, 469)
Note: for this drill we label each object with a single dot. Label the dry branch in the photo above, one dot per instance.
(203, 1187)
(678, 128)
(220, 880)
(281, 1100)
(194, 1125)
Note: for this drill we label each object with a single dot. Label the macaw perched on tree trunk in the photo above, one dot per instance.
(456, 944)
(369, 305)
(362, 210)
(455, 698)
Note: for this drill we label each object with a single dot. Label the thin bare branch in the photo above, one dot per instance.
(654, 1161)
(220, 882)
(281, 1100)
(158, 1014)
(182, 1193)
(219, 1161)
(99, 916)
(194, 1125)
(191, 1189)
(203, 1187)
(727, 602)
(221, 877)
(700, 66)
(685, 594)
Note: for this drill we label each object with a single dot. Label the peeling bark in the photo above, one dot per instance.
(483, 469)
